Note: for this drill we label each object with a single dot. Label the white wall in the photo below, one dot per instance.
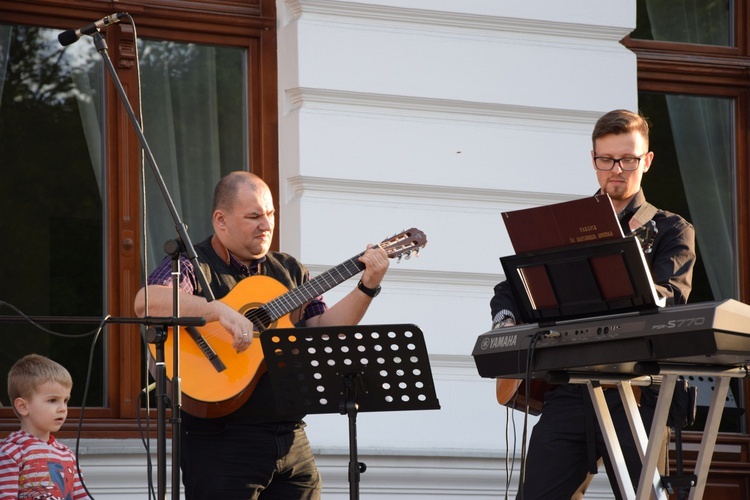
(438, 115)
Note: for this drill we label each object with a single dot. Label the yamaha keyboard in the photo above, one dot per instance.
(707, 333)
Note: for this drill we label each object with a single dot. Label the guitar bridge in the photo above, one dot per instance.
(207, 350)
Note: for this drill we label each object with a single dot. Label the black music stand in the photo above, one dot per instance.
(581, 280)
(607, 276)
(349, 369)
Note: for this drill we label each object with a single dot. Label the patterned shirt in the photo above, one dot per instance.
(188, 282)
(33, 469)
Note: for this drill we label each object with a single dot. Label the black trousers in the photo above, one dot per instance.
(558, 452)
(241, 462)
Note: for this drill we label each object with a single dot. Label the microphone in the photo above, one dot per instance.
(71, 36)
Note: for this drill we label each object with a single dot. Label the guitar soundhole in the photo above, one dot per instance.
(260, 318)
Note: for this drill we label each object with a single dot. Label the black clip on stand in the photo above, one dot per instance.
(101, 47)
(346, 370)
(681, 414)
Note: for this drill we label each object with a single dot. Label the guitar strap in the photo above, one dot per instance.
(644, 214)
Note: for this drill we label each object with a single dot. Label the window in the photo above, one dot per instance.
(693, 78)
(693, 175)
(51, 198)
(706, 23)
(693, 61)
(71, 197)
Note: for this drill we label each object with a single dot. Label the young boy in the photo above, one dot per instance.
(33, 465)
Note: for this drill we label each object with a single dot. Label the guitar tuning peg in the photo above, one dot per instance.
(407, 256)
(416, 253)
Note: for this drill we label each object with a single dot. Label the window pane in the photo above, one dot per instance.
(195, 119)
(693, 174)
(705, 22)
(50, 199)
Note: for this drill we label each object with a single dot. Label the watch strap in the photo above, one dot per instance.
(370, 292)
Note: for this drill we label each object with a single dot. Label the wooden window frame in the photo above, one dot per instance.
(702, 70)
(248, 24)
(708, 71)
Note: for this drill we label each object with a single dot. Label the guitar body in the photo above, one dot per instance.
(215, 380)
(209, 393)
(511, 392)
(506, 388)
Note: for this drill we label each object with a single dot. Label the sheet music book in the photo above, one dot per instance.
(573, 261)
(561, 224)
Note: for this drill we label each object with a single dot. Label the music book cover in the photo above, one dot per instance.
(572, 260)
(561, 224)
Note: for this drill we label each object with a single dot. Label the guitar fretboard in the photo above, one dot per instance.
(288, 302)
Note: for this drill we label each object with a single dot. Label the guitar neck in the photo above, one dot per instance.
(317, 286)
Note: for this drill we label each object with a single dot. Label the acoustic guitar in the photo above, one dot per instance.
(511, 392)
(215, 379)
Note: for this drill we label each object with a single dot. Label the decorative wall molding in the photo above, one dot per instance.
(116, 469)
(428, 196)
(430, 474)
(413, 474)
(425, 108)
(446, 22)
(453, 366)
(429, 283)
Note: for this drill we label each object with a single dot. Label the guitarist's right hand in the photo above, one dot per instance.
(235, 324)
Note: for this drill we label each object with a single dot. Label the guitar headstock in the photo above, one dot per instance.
(404, 244)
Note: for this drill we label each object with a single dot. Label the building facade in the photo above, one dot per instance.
(366, 117)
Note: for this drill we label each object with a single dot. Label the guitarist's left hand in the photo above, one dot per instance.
(351, 309)
(376, 264)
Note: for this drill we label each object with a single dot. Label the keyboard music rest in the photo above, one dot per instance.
(705, 333)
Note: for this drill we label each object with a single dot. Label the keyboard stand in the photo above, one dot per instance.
(650, 485)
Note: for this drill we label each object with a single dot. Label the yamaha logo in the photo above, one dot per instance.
(500, 341)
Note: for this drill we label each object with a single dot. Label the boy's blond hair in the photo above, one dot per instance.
(30, 372)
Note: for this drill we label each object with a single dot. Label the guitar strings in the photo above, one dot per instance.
(274, 309)
(263, 316)
(289, 301)
(309, 290)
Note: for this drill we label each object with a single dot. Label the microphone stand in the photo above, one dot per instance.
(101, 47)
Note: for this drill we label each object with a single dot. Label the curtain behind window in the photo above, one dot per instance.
(195, 120)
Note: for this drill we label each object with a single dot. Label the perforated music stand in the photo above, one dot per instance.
(349, 369)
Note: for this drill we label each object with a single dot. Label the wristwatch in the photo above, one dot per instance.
(370, 292)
